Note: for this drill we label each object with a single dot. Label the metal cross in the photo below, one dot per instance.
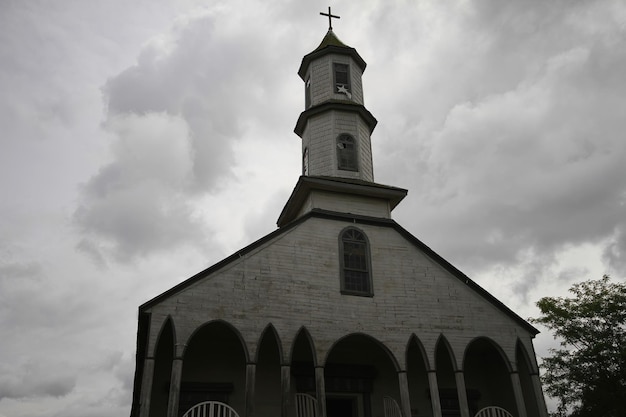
(330, 16)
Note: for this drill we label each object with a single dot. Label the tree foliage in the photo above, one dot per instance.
(587, 374)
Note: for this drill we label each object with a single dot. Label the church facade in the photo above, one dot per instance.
(339, 308)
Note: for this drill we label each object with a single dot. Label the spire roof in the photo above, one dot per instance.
(330, 39)
(330, 45)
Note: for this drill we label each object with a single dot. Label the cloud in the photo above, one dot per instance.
(176, 116)
(33, 379)
(515, 156)
(206, 75)
(615, 250)
(137, 204)
(545, 159)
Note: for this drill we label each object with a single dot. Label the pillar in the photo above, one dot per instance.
(541, 401)
(177, 374)
(250, 387)
(434, 393)
(146, 387)
(519, 394)
(462, 393)
(405, 398)
(320, 391)
(285, 384)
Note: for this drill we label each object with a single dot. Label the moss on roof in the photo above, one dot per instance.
(331, 44)
(330, 40)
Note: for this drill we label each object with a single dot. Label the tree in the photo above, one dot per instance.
(588, 373)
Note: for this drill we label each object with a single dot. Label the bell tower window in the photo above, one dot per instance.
(355, 263)
(346, 153)
(307, 93)
(305, 162)
(342, 79)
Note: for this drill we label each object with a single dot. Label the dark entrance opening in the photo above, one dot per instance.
(341, 407)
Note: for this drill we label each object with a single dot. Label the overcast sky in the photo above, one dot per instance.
(142, 141)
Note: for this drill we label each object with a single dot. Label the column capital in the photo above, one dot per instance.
(179, 349)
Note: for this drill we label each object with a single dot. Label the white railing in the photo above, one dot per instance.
(305, 405)
(493, 411)
(211, 409)
(391, 407)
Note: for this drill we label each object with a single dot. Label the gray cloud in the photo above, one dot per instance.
(34, 380)
(517, 149)
(135, 204)
(176, 116)
(501, 118)
(615, 250)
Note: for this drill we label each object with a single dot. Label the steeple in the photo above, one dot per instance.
(336, 128)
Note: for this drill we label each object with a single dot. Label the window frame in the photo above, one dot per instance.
(353, 160)
(348, 84)
(305, 162)
(307, 92)
(369, 291)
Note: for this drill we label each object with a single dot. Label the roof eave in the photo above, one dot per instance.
(330, 49)
(346, 106)
(306, 184)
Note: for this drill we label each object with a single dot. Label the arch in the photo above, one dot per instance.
(413, 339)
(355, 262)
(169, 320)
(495, 345)
(235, 331)
(268, 378)
(214, 366)
(164, 352)
(447, 372)
(303, 339)
(359, 371)
(526, 373)
(417, 368)
(522, 354)
(487, 373)
(442, 343)
(380, 344)
(267, 331)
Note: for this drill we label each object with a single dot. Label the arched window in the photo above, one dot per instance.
(354, 257)
(305, 162)
(307, 93)
(346, 153)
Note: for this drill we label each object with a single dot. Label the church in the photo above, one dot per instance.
(340, 312)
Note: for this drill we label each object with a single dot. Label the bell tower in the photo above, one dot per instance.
(335, 127)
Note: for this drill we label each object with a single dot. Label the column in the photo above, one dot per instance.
(177, 374)
(250, 385)
(541, 401)
(434, 393)
(462, 393)
(519, 394)
(405, 398)
(285, 383)
(146, 387)
(320, 391)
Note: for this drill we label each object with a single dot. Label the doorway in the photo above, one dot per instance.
(343, 405)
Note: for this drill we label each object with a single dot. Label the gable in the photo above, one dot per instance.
(291, 277)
